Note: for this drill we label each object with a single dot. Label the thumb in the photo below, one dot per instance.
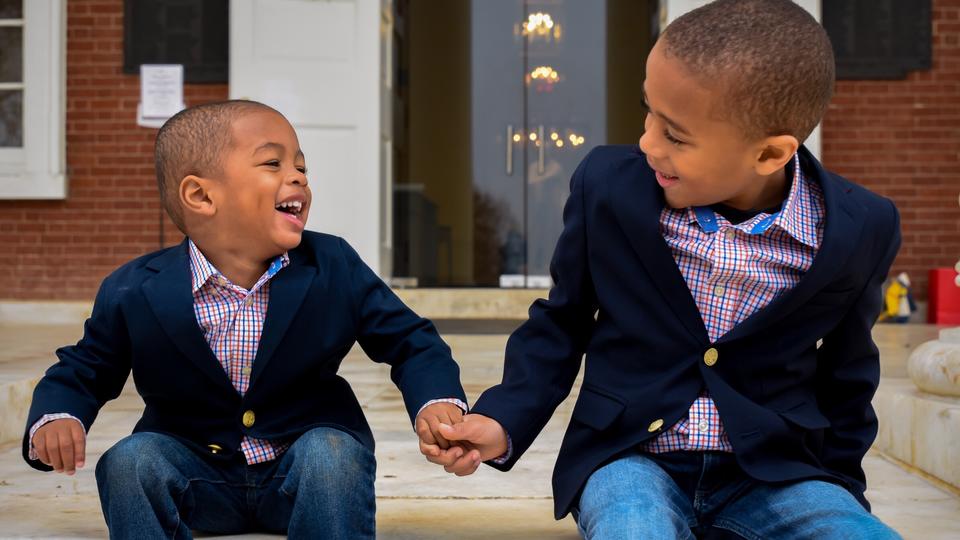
(457, 432)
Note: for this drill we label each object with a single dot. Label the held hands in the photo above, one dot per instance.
(61, 444)
(482, 437)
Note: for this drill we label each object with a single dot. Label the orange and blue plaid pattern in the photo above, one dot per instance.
(732, 272)
(231, 319)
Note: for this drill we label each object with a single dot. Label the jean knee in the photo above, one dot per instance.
(634, 496)
(331, 460)
(140, 457)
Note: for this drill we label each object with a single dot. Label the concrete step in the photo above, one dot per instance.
(415, 499)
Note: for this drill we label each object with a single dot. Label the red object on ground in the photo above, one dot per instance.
(944, 297)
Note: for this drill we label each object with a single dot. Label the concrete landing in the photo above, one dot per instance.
(415, 499)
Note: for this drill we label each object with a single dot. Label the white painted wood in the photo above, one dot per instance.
(318, 62)
(671, 9)
(38, 170)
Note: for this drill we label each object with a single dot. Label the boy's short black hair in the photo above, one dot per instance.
(772, 59)
(193, 142)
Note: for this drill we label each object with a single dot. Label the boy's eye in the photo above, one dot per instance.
(671, 138)
(302, 169)
(272, 163)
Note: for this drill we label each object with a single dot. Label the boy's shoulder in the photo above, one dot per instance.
(614, 157)
(324, 249)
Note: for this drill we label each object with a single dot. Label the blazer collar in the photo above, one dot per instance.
(638, 201)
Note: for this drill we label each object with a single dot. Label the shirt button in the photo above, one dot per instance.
(710, 357)
(703, 425)
(248, 300)
(730, 234)
(719, 291)
(246, 371)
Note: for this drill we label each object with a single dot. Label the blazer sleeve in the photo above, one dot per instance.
(543, 355)
(87, 374)
(848, 371)
(422, 365)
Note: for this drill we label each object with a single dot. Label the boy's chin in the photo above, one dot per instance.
(289, 241)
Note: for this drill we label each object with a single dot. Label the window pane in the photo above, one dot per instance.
(11, 54)
(11, 118)
(11, 9)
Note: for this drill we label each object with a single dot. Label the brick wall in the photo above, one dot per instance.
(63, 249)
(902, 139)
(899, 138)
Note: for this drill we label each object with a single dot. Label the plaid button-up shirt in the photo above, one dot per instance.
(732, 271)
(231, 319)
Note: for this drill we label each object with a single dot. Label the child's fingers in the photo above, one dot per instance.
(466, 465)
(429, 449)
(53, 451)
(446, 457)
(40, 445)
(434, 424)
(66, 451)
(79, 443)
(424, 431)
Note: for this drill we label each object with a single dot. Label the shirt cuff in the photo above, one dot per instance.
(455, 401)
(46, 419)
(506, 455)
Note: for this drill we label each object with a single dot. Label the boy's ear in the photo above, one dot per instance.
(775, 152)
(195, 196)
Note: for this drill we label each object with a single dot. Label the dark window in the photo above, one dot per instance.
(879, 39)
(186, 32)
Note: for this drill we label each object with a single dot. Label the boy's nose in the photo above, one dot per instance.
(298, 179)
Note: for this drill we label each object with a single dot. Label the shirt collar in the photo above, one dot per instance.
(796, 215)
(202, 270)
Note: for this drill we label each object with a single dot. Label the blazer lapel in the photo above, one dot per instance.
(637, 202)
(843, 223)
(288, 289)
(171, 300)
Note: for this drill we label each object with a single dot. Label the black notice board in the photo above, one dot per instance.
(189, 32)
(879, 39)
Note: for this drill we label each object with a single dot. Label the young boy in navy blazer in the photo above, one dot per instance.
(722, 286)
(234, 339)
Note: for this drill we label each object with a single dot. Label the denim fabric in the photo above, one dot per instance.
(152, 486)
(705, 495)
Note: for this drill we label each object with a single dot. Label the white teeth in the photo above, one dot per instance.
(291, 204)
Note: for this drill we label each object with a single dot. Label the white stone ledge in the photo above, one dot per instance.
(919, 429)
(15, 403)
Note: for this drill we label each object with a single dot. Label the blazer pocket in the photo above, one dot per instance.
(597, 410)
(832, 297)
(805, 415)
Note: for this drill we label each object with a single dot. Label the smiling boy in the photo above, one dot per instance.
(722, 286)
(234, 339)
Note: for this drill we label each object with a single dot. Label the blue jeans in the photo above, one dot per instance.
(687, 495)
(152, 486)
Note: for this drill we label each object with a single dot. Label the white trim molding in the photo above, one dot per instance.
(38, 169)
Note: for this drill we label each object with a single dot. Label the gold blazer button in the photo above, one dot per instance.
(249, 418)
(214, 448)
(655, 425)
(710, 357)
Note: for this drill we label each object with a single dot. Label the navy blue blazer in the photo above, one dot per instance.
(322, 303)
(793, 408)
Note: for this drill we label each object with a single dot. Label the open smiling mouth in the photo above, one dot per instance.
(293, 208)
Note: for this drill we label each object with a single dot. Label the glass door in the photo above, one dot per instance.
(498, 101)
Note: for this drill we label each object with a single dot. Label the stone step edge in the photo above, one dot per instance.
(429, 303)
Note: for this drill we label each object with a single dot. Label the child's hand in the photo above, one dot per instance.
(483, 436)
(432, 444)
(61, 444)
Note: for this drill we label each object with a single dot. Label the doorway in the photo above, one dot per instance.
(497, 103)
